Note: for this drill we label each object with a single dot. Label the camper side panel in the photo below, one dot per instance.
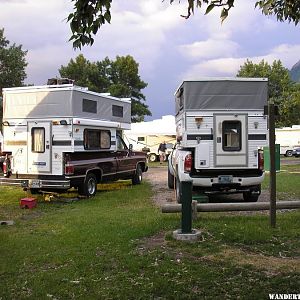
(257, 136)
(94, 106)
(15, 141)
(36, 103)
(62, 141)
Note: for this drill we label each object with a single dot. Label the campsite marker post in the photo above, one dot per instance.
(271, 119)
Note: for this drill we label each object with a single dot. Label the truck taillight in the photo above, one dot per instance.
(6, 167)
(188, 162)
(260, 160)
(69, 169)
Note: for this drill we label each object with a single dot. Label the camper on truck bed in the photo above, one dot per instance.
(62, 136)
(221, 128)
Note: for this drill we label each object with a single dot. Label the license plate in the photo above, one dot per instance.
(34, 183)
(225, 179)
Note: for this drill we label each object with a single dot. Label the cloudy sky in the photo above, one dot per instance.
(167, 47)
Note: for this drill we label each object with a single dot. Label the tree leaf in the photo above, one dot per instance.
(224, 14)
(209, 8)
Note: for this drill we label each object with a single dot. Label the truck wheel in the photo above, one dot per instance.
(34, 191)
(170, 180)
(250, 197)
(138, 175)
(289, 153)
(89, 186)
(178, 190)
(152, 157)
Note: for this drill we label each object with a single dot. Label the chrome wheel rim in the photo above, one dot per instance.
(91, 186)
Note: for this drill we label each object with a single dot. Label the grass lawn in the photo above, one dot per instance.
(118, 245)
(287, 182)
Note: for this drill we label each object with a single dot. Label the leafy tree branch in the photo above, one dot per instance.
(89, 16)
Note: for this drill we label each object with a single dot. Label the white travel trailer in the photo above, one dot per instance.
(288, 138)
(147, 136)
(62, 136)
(220, 128)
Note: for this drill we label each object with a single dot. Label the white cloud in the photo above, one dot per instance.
(210, 48)
(225, 66)
(141, 33)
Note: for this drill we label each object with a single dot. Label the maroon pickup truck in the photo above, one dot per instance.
(83, 170)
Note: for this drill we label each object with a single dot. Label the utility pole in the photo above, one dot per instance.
(271, 123)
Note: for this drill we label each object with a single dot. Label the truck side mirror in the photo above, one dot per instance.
(130, 147)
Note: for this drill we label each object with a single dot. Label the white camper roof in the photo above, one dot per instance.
(64, 101)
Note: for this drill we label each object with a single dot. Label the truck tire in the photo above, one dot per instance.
(170, 180)
(138, 175)
(289, 153)
(89, 186)
(152, 157)
(251, 196)
(34, 191)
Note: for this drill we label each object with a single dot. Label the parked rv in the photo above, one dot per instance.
(288, 138)
(62, 136)
(150, 143)
(221, 128)
(147, 136)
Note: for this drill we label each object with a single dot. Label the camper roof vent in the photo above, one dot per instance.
(59, 81)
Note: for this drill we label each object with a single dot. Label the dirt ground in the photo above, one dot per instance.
(157, 176)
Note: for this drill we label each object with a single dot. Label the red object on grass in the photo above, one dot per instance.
(28, 203)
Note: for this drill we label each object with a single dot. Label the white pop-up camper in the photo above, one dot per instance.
(220, 128)
(147, 136)
(63, 136)
(288, 138)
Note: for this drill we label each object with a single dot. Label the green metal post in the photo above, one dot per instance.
(272, 165)
(186, 213)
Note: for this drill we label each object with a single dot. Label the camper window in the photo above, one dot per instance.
(232, 136)
(89, 106)
(38, 139)
(117, 111)
(96, 139)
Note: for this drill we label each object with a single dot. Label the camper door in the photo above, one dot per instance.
(39, 147)
(230, 140)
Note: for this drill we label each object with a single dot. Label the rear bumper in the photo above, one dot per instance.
(36, 183)
(213, 183)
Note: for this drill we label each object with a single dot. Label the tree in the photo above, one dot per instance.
(290, 107)
(279, 78)
(118, 77)
(281, 89)
(12, 63)
(89, 15)
(12, 66)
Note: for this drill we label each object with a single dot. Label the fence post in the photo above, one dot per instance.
(186, 200)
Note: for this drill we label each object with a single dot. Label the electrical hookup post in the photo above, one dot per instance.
(186, 233)
(271, 125)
